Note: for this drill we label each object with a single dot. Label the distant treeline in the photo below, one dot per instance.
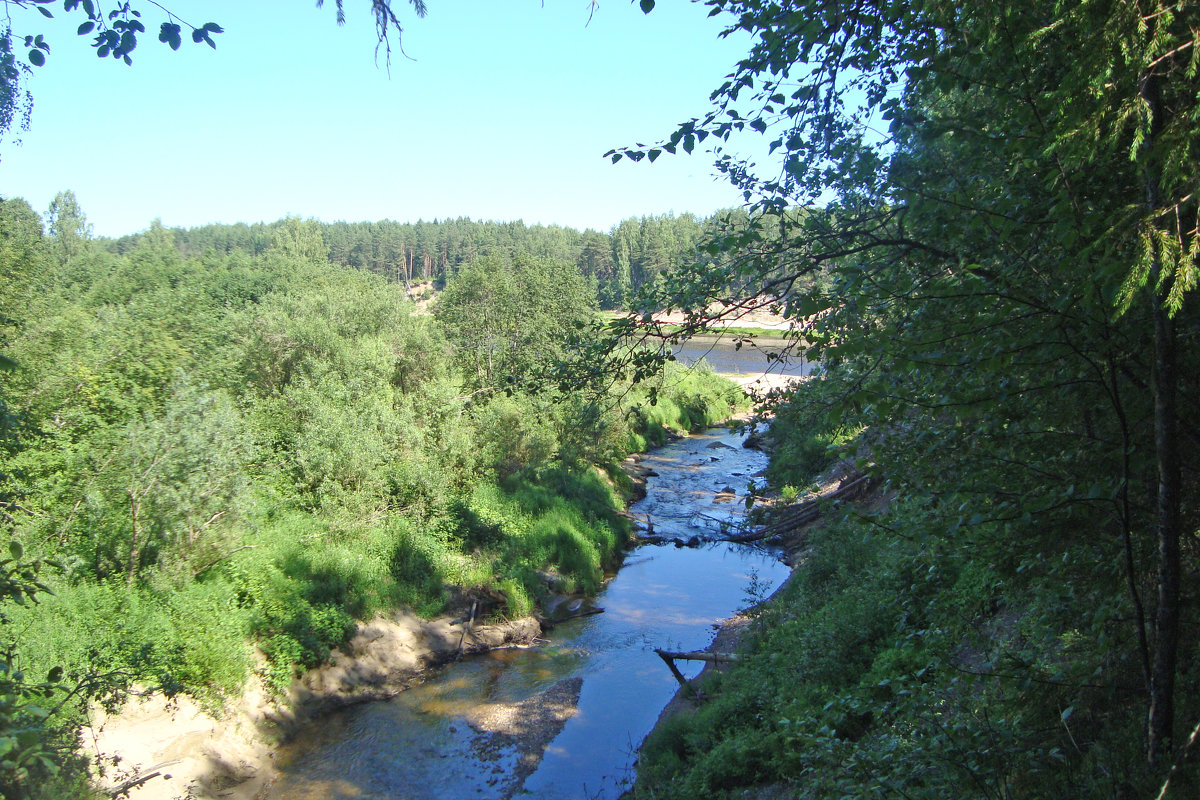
(629, 257)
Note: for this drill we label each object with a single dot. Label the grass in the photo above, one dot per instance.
(900, 661)
(303, 576)
(729, 332)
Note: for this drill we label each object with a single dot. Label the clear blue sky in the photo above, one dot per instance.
(505, 114)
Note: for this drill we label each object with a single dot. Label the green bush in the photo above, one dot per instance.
(897, 662)
(259, 450)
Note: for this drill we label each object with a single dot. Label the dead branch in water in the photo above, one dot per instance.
(797, 516)
(669, 656)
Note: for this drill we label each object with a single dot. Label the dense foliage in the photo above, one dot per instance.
(214, 453)
(633, 256)
(1011, 317)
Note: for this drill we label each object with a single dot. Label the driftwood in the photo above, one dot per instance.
(669, 656)
(467, 624)
(788, 519)
(124, 789)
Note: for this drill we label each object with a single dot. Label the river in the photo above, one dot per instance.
(769, 356)
(464, 732)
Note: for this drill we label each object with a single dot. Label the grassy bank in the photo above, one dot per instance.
(731, 332)
(910, 657)
(226, 453)
(298, 581)
(295, 581)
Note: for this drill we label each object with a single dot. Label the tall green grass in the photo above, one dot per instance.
(682, 399)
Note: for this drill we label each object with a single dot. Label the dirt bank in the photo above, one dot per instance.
(183, 751)
(729, 317)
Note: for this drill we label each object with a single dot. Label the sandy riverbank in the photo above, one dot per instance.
(764, 382)
(188, 752)
(184, 751)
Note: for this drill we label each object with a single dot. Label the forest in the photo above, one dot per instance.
(1004, 197)
(982, 221)
(630, 257)
(206, 454)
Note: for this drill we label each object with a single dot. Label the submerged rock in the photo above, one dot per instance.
(757, 441)
(560, 608)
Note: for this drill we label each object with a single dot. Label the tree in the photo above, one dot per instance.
(68, 226)
(1012, 260)
(22, 259)
(511, 320)
(301, 240)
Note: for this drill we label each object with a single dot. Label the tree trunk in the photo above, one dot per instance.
(1161, 723)
(1166, 623)
(134, 509)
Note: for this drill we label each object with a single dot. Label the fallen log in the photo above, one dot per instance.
(698, 655)
(124, 789)
(800, 514)
(669, 657)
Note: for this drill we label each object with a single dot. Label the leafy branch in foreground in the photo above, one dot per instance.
(34, 743)
(1003, 196)
(116, 30)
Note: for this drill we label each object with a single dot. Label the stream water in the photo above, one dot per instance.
(428, 743)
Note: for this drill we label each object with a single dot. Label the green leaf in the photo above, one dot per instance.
(169, 34)
(16, 550)
(647, 6)
(37, 58)
(86, 28)
(45, 12)
(55, 675)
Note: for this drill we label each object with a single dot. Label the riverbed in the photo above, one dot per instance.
(563, 719)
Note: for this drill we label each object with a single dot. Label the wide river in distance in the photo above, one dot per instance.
(763, 355)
